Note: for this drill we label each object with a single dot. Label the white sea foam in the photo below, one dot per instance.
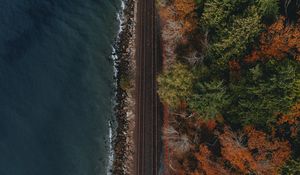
(114, 56)
(120, 19)
(111, 152)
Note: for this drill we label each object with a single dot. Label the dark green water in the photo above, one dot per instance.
(56, 86)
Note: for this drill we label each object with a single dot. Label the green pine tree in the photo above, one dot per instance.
(209, 100)
(266, 90)
(269, 9)
(234, 26)
(238, 37)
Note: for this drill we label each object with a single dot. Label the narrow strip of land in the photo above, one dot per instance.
(148, 109)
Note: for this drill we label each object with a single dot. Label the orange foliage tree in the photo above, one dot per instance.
(279, 41)
(243, 152)
(246, 152)
(185, 12)
(292, 119)
(177, 20)
(207, 165)
(181, 12)
(270, 154)
(235, 152)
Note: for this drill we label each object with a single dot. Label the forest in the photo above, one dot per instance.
(230, 86)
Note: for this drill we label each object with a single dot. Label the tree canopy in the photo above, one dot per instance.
(210, 99)
(175, 85)
(266, 90)
(233, 86)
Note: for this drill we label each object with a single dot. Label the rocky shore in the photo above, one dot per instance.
(125, 108)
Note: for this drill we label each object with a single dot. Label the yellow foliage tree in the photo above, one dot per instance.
(175, 85)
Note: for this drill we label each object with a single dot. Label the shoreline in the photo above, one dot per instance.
(123, 143)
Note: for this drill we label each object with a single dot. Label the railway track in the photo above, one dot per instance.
(148, 108)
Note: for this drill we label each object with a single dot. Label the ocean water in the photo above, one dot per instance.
(56, 86)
